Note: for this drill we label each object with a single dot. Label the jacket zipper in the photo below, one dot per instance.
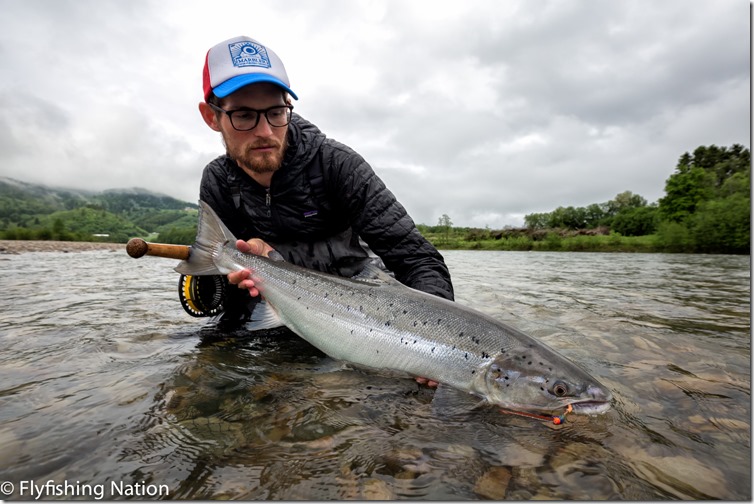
(268, 201)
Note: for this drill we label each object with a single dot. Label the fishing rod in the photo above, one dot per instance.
(137, 247)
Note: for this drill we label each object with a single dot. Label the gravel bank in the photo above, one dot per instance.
(20, 246)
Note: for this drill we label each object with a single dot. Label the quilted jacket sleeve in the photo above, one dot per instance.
(384, 224)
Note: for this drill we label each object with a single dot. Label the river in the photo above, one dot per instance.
(109, 390)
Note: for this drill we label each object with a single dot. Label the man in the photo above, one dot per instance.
(283, 185)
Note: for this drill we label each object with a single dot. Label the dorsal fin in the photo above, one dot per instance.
(373, 274)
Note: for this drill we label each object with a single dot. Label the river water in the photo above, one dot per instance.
(108, 389)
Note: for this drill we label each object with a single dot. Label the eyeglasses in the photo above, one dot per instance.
(247, 119)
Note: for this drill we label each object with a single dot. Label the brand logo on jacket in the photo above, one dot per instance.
(246, 54)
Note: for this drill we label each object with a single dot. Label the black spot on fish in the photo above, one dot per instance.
(473, 371)
(414, 342)
(405, 312)
(433, 349)
(325, 294)
(298, 298)
(466, 356)
(387, 323)
(351, 331)
(439, 320)
(415, 323)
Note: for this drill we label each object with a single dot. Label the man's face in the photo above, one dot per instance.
(261, 149)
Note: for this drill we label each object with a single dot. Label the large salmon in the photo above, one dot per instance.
(380, 323)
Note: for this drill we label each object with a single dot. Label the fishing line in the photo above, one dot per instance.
(557, 420)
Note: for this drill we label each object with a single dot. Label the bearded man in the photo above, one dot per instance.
(284, 185)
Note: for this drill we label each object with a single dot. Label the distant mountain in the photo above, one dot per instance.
(28, 209)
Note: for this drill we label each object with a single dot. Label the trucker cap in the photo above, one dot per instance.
(238, 62)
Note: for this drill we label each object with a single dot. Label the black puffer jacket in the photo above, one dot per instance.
(329, 225)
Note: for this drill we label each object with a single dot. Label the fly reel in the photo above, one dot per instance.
(202, 296)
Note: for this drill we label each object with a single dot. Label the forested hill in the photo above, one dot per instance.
(35, 211)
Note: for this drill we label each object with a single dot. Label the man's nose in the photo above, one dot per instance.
(263, 127)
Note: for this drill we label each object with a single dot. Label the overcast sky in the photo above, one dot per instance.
(482, 110)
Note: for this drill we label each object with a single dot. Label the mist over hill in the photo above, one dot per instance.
(30, 210)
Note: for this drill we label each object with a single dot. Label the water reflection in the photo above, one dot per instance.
(105, 379)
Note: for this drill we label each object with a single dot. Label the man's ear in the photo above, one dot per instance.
(209, 115)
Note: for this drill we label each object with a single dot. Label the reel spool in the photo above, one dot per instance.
(202, 296)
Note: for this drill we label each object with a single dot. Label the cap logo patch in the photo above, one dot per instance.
(249, 54)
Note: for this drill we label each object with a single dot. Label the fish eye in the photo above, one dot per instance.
(560, 389)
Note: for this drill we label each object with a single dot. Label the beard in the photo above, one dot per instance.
(255, 162)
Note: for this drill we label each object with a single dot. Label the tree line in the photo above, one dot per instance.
(706, 208)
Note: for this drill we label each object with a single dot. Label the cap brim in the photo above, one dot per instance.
(234, 84)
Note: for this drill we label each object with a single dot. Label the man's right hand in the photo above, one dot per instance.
(242, 278)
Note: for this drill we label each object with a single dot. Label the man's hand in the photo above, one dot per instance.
(242, 278)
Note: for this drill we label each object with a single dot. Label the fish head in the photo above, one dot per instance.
(536, 378)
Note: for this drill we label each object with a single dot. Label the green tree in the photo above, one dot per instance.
(640, 221)
(722, 225)
(537, 220)
(445, 223)
(595, 215)
(684, 191)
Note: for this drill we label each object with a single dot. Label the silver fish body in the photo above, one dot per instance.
(381, 323)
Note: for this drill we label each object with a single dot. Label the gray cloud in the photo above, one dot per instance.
(485, 111)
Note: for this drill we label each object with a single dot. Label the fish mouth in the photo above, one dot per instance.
(590, 407)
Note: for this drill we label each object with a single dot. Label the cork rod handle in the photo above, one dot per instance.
(136, 247)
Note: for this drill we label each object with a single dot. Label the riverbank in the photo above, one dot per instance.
(21, 246)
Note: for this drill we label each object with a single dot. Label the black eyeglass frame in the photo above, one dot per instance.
(260, 113)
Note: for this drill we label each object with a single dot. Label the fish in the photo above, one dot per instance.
(374, 321)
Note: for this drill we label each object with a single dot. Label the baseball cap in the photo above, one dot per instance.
(238, 62)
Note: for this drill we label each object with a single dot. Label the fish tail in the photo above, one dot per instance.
(210, 233)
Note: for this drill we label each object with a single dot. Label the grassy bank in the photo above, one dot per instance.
(555, 242)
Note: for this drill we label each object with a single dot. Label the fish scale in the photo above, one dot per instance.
(377, 322)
